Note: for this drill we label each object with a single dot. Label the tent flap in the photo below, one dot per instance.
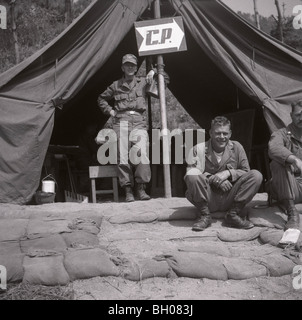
(226, 59)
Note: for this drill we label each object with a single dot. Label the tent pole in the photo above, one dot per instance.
(148, 67)
(163, 113)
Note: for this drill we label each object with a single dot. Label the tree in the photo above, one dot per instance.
(68, 12)
(256, 14)
(279, 21)
(12, 10)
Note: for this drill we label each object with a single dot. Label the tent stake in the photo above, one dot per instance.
(163, 113)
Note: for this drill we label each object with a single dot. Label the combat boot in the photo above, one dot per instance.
(293, 220)
(233, 220)
(204, 218)
(141, 193)
(129, 194)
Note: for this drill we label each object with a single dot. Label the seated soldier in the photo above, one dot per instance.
(285, 151)
(224, 182)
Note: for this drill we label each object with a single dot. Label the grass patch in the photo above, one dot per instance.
(36, 292)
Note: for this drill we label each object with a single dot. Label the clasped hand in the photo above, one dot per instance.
(220, 181)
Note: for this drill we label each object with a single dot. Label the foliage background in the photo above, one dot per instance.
(40, 21)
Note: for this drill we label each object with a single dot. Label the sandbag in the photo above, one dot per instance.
(97, 220)
(250, 252)
(79, 238)
(271, 236)
(53, 242)
(196, 265)
(183, 213)
(271, 217)
(142, 217)
(12, 229)
(12, 259)
(47, 225)
(211, 247)
(234, 235)
(45, 269)
(277, 264)
(240, 269)
(147, 268)
(84, 224)
(89, 262)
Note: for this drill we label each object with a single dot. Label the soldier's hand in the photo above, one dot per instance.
(149, 76)
(215, 180)
(298, 166)
(223, 175)
(113, 113)
(226, 186)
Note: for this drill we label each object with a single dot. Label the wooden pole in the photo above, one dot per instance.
(148, 68)
(163, 113)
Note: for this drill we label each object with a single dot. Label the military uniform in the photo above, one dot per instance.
(285, 183)
(130, 106)
(245, 182)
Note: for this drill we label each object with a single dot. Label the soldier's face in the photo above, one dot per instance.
(129, 69)
(220, 136)
(296, 116)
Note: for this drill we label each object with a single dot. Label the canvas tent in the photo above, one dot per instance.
(47, 96)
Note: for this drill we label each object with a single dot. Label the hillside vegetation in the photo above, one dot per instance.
(34, 23)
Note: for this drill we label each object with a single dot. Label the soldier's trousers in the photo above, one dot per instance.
(132, 149)
(244, 189)
(284, 184)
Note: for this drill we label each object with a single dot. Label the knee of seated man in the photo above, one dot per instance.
(257, 176)
(194, 176)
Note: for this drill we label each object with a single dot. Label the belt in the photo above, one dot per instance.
(131, 112)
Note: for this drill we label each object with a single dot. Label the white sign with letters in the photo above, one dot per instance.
(160, 36)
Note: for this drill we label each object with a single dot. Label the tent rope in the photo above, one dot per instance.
(181, 5)
(254, 63)
(126, 7)
(56, 65)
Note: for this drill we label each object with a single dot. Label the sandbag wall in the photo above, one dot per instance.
(52, 250)
(55, 249)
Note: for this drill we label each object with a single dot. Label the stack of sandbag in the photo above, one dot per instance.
(53, 251)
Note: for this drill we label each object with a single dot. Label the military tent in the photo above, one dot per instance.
(46, 96)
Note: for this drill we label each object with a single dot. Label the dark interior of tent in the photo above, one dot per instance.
(197, 83)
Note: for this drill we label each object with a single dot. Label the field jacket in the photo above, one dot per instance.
(233, 159)
(126, 96)
(283, 143)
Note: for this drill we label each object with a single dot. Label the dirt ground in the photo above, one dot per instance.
(152, 238)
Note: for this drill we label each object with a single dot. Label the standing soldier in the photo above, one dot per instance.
(128, 112)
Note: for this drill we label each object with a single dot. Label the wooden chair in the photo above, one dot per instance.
(108, 171)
